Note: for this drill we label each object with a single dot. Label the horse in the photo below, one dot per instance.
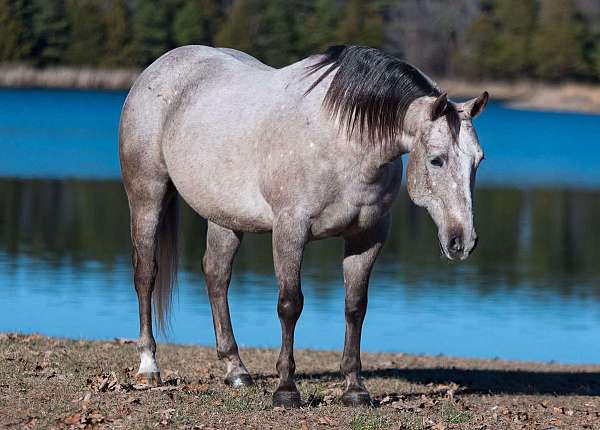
(308, 151)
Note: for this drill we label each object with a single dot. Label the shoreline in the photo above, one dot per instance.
(62, 383)
(562, 97)
(538, 96)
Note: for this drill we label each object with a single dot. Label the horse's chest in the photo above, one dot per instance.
(358, 210)
(369, 211)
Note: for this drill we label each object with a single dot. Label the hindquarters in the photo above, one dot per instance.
(150, 191)
(156, 99)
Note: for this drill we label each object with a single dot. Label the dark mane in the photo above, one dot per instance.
(371, 90)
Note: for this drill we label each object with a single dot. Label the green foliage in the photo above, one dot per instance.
(150, 30)
(195, 22)
(515, 21)
(118, 50)
(317, 30)
(478, 59)
(87, 32)
(558, 42)
(361, 24)
(369, 421)
(51, 31)
(16, 38)
(240, 27)
(275, 38)
(596, 61)
(499, 39)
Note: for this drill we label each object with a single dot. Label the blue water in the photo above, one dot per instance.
(79, 128)
(531, 291)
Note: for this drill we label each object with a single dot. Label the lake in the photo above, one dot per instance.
(531, 291)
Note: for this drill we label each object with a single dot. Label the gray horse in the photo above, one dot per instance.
(309, 151)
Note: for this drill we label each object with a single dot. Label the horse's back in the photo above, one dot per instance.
(159, 91)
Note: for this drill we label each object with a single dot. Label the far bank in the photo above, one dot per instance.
(559, 97)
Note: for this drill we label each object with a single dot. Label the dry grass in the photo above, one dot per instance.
(565, 97)
(23, 76)
(58, 383)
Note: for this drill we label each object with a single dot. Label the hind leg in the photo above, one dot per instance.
(221, 247)
(146, 206)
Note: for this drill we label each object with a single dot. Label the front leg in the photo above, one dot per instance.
(360, 253)
(289, 237)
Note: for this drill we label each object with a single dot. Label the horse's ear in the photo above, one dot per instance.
(476, 106)
(438, 108)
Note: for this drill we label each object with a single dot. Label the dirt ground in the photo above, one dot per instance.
(59, 383)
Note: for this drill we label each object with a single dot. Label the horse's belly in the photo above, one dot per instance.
(220, 189)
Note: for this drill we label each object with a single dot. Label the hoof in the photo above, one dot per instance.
(287, 397)
(356, 398)
(151, 378)
(241, 380)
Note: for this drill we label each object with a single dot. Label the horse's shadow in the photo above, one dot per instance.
(489, 381)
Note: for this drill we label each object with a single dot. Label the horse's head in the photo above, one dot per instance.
(441, 169)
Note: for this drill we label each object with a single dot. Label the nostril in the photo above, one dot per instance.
(455, 244)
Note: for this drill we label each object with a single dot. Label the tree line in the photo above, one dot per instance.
(485, 39)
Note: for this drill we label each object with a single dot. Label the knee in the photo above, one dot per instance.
(143, 281)
(356, 308)
(290, 305)
(214, 272)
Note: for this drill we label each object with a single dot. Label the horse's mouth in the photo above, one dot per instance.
(444, 252)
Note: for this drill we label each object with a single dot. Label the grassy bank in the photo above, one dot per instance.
(568, 97)
(23, 76)
(565, 97)
(58, 383)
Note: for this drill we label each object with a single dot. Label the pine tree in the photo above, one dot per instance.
(87, 33)
(318, 30)
(150, 30)
(51, 31)
(195, 22)
(118, 49)
(16, 38)
(558, 42)
(361, 24)
(498, 43)
(596, 61)
(240, 27)
(275, 38)
(515, 21)
(481, 43)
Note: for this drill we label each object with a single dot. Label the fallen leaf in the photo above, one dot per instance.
(132, 400)
(326, 421)
(197, 388)
(72, 419)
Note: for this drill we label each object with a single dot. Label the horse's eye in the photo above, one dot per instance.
(437, 162)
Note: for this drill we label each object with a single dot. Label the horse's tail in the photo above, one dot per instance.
(166, 260)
